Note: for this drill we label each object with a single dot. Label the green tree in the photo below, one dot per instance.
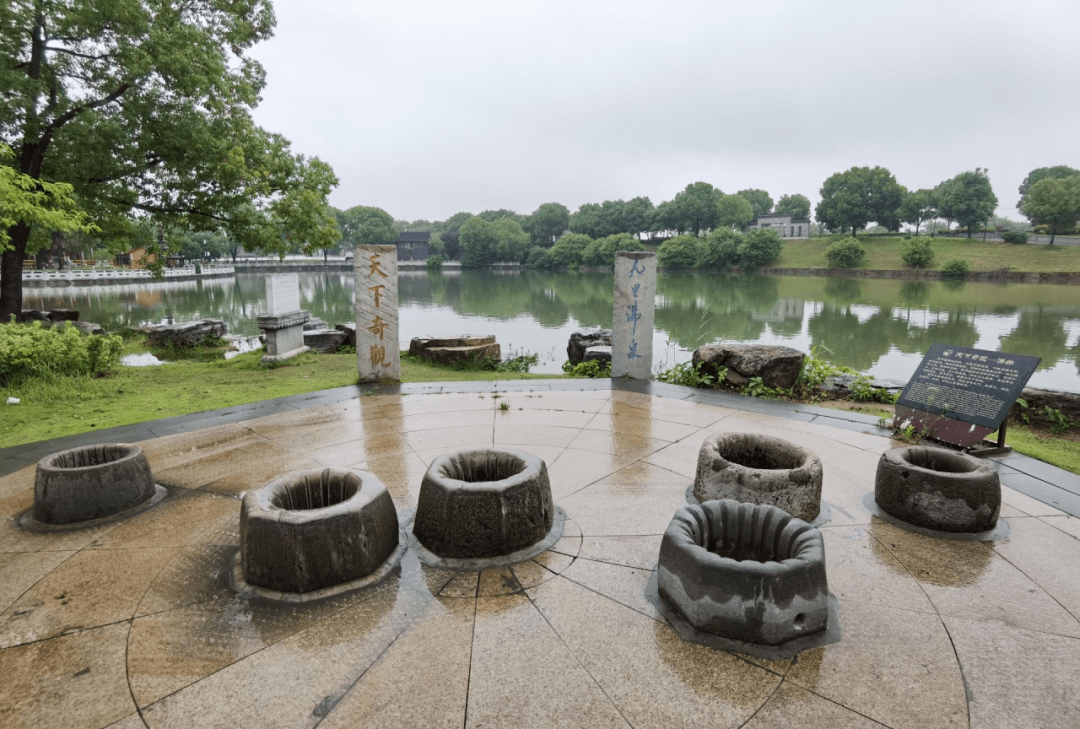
(367, 226)
(734, 211)
(586, 220)
(637, 216)
(759, 200)
(492, 215)
(759, 248)
(479, 243)
(695, 208)
(918, 207)
(797, 206)
(852, 199)
(455, 221)
(1055, 202)
(547, 223)
(512, 242)
(203, 243)
(27, 201)
(144, 108)
(967, 198)
(569, 250)
(720, 249)
(1059, 172)
(682, 251)
(601, 252)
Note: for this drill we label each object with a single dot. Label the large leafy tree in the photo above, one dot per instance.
(367, 226)
(1055, 202)
(853, 198)
(695, 208)
(759, 200)
(144, 108)
(1059, 172)
(547, 223)
(734, 211)
(637, 216)
(797, 206)
(967, 198)
(918, 207)
(479, 243)
(25, 200)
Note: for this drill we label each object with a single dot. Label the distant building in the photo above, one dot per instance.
(784, 224)
(413, 246)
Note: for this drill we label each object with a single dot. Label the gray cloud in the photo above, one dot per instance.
(428, 109)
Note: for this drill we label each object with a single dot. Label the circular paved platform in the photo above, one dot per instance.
(135, 622)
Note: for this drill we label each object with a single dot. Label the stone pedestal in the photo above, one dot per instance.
(283, 324)
(635, 307)
(377, 356)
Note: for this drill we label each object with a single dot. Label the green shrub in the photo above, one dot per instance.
(759, 248)
(845, 253)
(1014, 236)
(690, 376)
(434, 263)
(956, 269)
(569, 250)
(601, 252)
(682, 251)
(540, 258)
(31, 350)
(594, 368)
(918, 253)
(720, 249)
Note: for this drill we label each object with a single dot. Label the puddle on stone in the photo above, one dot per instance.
(143, 359)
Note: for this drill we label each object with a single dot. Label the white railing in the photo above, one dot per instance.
(124, 274)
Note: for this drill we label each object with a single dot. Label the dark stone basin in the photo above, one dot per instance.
(315, 529)
(747, 572)
(936, 488)
(90, 483)
(760, 469)
(484, 503)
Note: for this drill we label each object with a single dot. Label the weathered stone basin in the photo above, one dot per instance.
(315, 529)
(936, 488)
(746, 572)
(91, 482)
(760, 469)
(484, 503)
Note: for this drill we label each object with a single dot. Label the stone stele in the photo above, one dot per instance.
(760, 469)
(283, 322)
(377, 355)
(635, 308)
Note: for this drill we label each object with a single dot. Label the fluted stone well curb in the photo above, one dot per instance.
(484, 502)
(91, 482)
(312, 530)
(744, 572)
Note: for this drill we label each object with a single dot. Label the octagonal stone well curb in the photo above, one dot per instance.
(484, 503)
(309, 532)
(760, 469)
(744, 575)
(91, 483)
(938, 490)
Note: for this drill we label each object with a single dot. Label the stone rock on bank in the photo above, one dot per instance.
(186, 334)
(582, 340)
(448, 350)
(777, 366)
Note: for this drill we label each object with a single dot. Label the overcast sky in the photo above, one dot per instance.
(428, 109)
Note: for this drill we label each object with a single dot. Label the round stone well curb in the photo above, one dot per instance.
(760, 469)
(737, 575)
(938, 489)
(90, 483)
(314, 531)
(484, 503)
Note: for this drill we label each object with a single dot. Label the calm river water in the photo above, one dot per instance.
(881, 327)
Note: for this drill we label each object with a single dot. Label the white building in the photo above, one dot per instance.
(784, 224)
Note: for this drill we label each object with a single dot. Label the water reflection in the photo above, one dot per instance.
(879, 326)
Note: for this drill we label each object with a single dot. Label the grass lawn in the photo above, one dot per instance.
(991, 255)
(1058, 449)
(69, 405)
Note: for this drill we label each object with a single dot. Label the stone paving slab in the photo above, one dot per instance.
(136, 621)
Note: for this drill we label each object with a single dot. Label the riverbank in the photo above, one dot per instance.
(104, 277)
(991, 260)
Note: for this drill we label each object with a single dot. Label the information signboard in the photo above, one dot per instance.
(954, 386)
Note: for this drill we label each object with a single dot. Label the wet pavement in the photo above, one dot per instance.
(134, 622)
